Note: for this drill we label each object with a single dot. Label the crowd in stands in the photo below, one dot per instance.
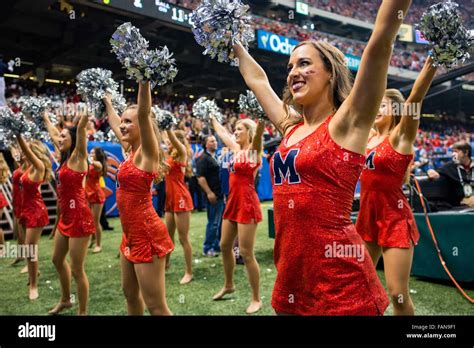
(432, 147)
(404, 58)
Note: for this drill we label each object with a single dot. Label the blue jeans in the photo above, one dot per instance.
(214, 224)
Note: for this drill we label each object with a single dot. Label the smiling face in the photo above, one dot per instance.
(65, 140)
(241, 134)
(129, 126)
(308, 77)
(384, 116)
(211, 144)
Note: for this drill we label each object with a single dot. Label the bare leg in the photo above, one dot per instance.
(229, 232)
(131, 290)
(183, 221)
(33, 236)
(247, 235)
(374, 250)
(77, 253)
(61, 247)
(151, 278)
(19, 233)
(397, 264)
(96, 211)
(171, 226)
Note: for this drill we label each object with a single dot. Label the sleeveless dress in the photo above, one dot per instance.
(178, 198)
(144, 234)
(75, 219)
(323, 267)
(3, 201)
(385, 215)
(94, 193)
(16, 193)
(33, 210)
(243, 205)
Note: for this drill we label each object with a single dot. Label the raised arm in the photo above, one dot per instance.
(257, 142)
(35, 161)
(114, 120)
(52, 130)
(224, 136)
(78, 160)
(355, 117)
(407, 129)
(178, 146)
(257, 80)
(150, 144)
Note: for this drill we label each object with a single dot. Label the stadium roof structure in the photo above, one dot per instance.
(57, 39)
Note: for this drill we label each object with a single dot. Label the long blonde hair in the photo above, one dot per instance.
(250, 125)
(40, 151)
(395, 97)
(341, 80)
(3, 169)
(189, 154)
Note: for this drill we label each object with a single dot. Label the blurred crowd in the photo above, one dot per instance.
(432, 147)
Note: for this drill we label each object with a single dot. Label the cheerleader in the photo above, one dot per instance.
(178, 202)
(3, 201)
(316, 168)
(22, 166)
(145, 240)
(385, 220)
(75, 224)
(33, 213)
(242, 213)
(95, 194)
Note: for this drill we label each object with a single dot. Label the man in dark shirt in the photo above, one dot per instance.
(208, 170)
(458, 175)
(3, 70)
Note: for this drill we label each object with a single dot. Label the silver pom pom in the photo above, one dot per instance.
(203, 108)
(164, 119)
(142, 64)
(219, 24)
(93, 84)
(99, 136)
(249, 104)
(34, 107)
(110, 136)
(450, 41)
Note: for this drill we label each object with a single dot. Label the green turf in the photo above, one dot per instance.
(106, 297)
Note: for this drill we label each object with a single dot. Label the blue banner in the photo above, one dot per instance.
(283, 45)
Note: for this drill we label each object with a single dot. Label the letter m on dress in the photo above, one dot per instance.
(284, 169)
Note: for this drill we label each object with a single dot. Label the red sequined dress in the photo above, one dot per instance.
(243, 205)
(75, 218)
(3, 201)
(323, 267)
(94, 193)
(144, 234)
(385, 215)
(16, 192)
(33, 210)
(178, 198)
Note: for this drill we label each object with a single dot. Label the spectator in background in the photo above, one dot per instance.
(458, 175)
(208, 174)
(3, 69)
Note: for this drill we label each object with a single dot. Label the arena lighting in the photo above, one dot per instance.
(12, 76)
(54, 81)
(466, 87)
(191, 97)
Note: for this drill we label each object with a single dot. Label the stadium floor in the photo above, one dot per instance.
(106, 297)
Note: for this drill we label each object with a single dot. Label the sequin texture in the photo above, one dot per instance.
(385, 215)
(144, 234)
(75, 219)
(178, 198)
(33, 210)
(313, 187)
